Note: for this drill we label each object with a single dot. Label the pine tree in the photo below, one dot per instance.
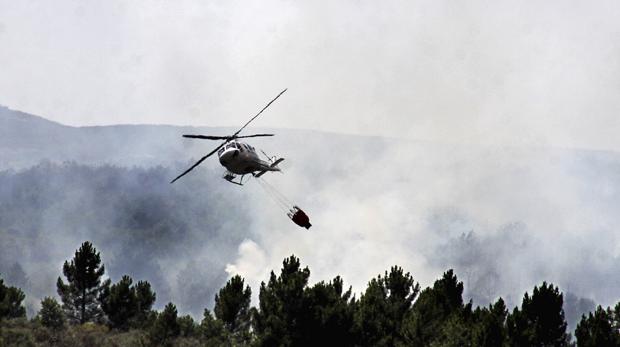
(456, 331)
(51, 314)
(80, 296)
(212, 331)
(120, 304)
(280, 306)
(328, 309)
(596, 330)
(540, 321)
(424, 323)
(489, 329)
(11, 302)
(145, 298)
(187, 326)
(383, 306)
(615, 313)
(232, 307)
(166, 326)
(127, 305)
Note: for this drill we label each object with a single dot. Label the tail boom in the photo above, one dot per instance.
(272, 167)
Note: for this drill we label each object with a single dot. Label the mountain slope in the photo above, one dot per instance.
(505, 218)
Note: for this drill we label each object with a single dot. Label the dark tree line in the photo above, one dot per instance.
(392, 311)
(11, 302)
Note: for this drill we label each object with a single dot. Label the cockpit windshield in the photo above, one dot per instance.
(232, 145)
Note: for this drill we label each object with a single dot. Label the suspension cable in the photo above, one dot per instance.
(274, 196)
(277, 193)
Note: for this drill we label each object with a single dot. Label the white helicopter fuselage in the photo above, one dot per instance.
(241, 159)
(237, 157)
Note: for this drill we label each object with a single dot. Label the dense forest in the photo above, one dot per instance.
(392, 311)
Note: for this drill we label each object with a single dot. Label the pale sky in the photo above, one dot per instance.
(499, 72)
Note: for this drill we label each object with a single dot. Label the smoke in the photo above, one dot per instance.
(505, 218)
(178, 237)
(523, 82)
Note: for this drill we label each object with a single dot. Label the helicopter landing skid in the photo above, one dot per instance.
(230, 177)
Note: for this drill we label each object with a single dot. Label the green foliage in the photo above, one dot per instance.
(382, 307)
(232, 308)
(616, 317)
(145, 298)
(80, 296)
(425, 322)
(20, 332)
(489, 329)
(291, 313)
(187, 326)
(11, 302)
(51, 314)
(17, 332)
(371, 316)
(166, 326)
(281, 305)
(88, 334)
(456, 331)
(328, 309)
(147, 223)
(127, 305)
(540, 321)
(597, 330)
(119, 302)
(212, 331)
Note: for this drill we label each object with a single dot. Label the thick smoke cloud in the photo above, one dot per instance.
(525, 80)
(505, 218)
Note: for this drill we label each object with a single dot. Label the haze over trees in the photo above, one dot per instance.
(392, 311)
(60, 185)
(48, 205)
(109, 185)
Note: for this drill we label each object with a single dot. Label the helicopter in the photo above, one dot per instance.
(237, 157)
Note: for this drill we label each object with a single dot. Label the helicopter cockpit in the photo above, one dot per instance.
(229, 146)
(232, 146)
(231, 151)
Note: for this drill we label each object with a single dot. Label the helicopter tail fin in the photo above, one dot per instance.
(273, 167)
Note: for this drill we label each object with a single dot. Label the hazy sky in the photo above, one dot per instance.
(477, 71)
(494, 72)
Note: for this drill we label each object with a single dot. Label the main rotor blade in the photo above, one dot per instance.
(207, 137)
(261, 111)
(227, 138)
(255, 135)
(198, 162)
